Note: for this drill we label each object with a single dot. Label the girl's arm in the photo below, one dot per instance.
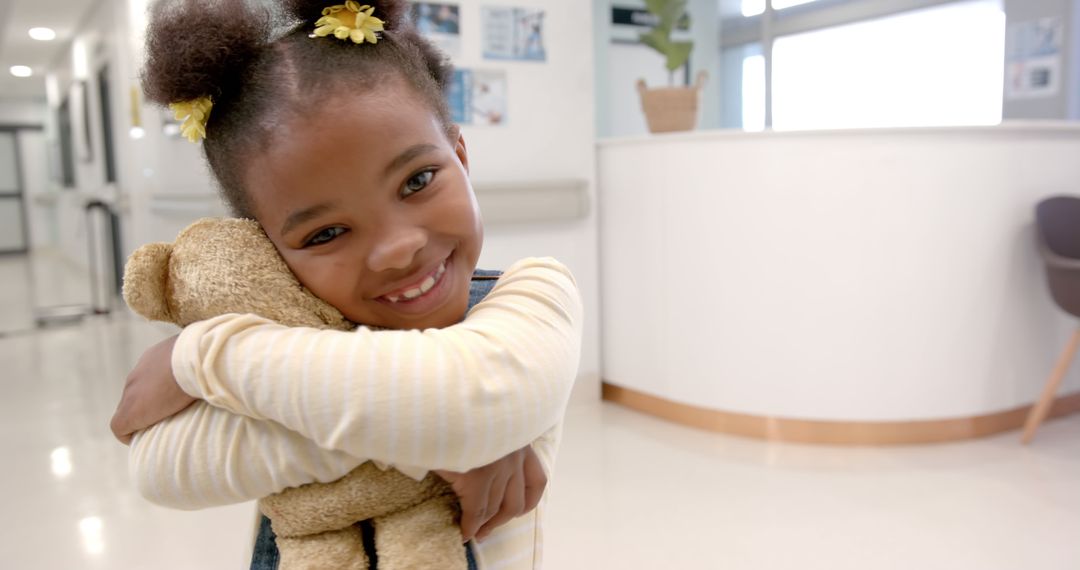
(207, 457)
(454, 398)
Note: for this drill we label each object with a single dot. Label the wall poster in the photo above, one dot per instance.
(478, 97)
(440, 23)
(1033, 58)
(513, 34)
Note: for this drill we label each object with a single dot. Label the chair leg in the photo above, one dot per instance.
(1042, 407)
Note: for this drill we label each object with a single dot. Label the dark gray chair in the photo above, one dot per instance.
(1057, 222)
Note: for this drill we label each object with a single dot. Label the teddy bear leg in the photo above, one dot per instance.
(424, 537)
(337, 549)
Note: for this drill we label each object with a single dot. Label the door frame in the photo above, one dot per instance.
(20, 193)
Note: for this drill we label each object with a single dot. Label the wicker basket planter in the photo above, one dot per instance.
(670, 109)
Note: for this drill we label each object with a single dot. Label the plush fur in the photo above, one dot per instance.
(219, 266)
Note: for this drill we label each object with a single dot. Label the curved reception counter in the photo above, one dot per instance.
(862, 287)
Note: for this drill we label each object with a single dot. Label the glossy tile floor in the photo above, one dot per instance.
(630, 492)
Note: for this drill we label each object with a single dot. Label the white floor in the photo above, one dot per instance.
(630, 492)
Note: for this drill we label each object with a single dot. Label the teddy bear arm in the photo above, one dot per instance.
(364, 493)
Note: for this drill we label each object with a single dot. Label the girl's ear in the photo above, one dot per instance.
(459, 147)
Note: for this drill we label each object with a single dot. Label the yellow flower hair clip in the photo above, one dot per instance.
(194, 113)
(349, 21)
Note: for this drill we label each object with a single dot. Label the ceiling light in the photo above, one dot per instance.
(21, 71)
(42, 34)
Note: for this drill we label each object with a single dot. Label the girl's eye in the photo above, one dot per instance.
(325, 236)
(417, 183)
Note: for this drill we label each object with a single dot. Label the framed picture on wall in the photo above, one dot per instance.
(478, 97)
(1033, 58)
(440, 23)
(513, 33)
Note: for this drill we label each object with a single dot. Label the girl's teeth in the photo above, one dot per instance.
(424, 287)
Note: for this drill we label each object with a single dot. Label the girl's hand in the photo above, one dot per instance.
(151, 393)
(494, 494)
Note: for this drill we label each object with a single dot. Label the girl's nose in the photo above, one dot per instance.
(396, 248)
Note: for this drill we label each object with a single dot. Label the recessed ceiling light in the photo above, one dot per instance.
(21, 71)
(42, 34)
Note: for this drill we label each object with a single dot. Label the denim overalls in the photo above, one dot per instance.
(265, 555)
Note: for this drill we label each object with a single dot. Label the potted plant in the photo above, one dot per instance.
(669, 108)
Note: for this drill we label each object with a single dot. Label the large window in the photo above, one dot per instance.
(930, 67)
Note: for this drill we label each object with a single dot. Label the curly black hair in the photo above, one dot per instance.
(230, 50)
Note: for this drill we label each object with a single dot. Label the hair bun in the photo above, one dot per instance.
(391, 12)
(197, 48)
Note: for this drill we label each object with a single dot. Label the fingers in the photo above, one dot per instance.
(122, 423)
(474, 506)
(495, 499)
(119, 431)
(151, 393)
(492, 495)
(535, 480)
(511, 506)
(119, 425)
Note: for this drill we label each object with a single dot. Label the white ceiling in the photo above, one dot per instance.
(16, 47)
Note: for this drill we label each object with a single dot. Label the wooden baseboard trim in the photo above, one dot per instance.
(832, 432)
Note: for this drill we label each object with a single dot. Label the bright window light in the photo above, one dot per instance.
(752, 7)
(80, 59)
(755, 7)
(753, 93)
(939, 66)
(42, 34)
(21, 71)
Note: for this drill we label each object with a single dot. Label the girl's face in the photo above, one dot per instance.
(370, 205)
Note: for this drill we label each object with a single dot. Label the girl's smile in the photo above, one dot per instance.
(419, 288)
(427, 295)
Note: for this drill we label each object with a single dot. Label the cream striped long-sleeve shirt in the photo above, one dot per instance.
(289, 406)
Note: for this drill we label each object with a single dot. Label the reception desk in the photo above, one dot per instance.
(864, 287)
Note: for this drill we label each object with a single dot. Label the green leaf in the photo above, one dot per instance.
(657, 40)
(655, 6)
(669, 12)
(677, 54)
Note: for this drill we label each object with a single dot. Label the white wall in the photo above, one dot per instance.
(22, 111)
(848, 275)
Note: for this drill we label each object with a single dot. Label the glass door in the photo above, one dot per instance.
(13, 238)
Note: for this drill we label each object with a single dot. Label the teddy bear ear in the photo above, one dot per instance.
(145, 281)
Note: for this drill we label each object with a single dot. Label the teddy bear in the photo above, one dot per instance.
(228, 265)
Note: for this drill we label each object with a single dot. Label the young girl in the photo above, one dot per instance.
(336, 137)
